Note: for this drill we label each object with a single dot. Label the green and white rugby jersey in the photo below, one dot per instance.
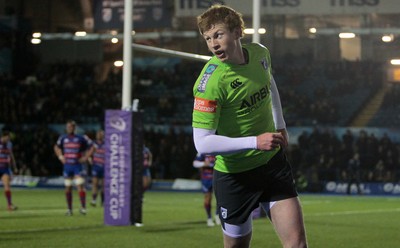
(235, 100)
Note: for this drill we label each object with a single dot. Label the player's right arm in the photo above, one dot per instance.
(13, 162)
(208, 142)
(58, 152)
(200, 161)
(277, 113)
(87, 145)
(90, 153)
(150, 162)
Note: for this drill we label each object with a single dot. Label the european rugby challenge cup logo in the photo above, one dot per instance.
(118, 123)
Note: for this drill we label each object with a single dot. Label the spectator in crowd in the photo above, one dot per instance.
(353, 174)
(25, 170)
(378, 174)
(162, 163)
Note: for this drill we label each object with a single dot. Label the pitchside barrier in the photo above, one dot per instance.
(185, 185)
(123, 189)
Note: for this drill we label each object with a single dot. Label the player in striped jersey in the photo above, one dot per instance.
(147, 162)
(205, 164)
(7, 164)
(71, 150)
(96, 158)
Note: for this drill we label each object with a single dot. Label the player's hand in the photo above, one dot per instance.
(62, 159)
(270, 141)
(285, 137)
(83, 160)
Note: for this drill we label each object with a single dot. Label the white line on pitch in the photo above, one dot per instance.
(49, 229)
(355, 212)
(38, 211)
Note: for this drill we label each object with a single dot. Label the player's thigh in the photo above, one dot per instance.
(95, 181)
(287, 218)
(5, 178)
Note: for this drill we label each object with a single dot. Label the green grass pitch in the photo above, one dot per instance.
(177, 219)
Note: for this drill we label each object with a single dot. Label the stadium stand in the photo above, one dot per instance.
(323, 96)
(388, 114)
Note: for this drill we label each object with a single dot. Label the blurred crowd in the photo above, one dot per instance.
(312, 94)
(317, 156)
(325, 93)
(322, 155)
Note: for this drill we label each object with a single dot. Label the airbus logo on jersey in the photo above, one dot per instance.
(236, 83)
(253, 103)
(206, 76)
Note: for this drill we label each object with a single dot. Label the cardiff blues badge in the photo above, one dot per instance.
(264, 63)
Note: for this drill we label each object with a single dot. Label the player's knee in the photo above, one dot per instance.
(238, 231)
(299, 243)
(295, 239)
(79, 181)
(242, 241)
(67, 182)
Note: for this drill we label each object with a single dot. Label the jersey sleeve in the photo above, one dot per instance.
(59, 142)
(207, 97)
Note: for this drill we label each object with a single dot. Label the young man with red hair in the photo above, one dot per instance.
(238, 117)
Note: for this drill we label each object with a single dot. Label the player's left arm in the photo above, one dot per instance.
(277, 113)
(85, 155)
(13, 162)
(87, 143)
(150, 158)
